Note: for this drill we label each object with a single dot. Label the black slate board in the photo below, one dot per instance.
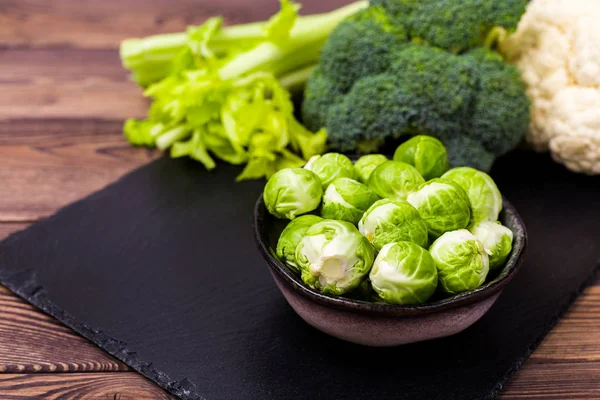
(160, 269)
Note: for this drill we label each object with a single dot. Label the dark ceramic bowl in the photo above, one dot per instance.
(377, 324)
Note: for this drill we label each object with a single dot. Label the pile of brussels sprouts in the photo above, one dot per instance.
(397, 230)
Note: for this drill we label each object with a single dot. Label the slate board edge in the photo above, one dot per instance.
(536, 342)
(184, 388)
(34, 293)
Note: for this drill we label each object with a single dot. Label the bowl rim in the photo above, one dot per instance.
(513, 264)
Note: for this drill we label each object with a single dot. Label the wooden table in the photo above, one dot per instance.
(63, 98)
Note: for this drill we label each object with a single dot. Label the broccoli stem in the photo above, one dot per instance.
(149, 59)
(495, 37)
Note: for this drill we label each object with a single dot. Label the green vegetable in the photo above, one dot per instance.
(330, 167)
(334, 258)
(461, 261)
(291, 192)
(405, 67)
(346, 199)
(388, 221)
(291, 237)
(427, 154)
(365, 165)
(217, 92)
(443, 205)
(404, 273)
(395, 180)
(485, 198)
(283, 44)
(496, 240)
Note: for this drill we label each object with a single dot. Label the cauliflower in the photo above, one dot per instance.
(557, 48)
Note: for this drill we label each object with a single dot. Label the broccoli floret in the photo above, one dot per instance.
(505, 13)
(360, 46)
(454, 25)
(422, 86)
(449, 24)
(397, 9)
(320, 93)
(463, 150)
(501, 107)
(374, 110)
(438, 80)
(441, 77)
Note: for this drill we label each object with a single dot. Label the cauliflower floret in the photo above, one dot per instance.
(557, 49)
(575, 120)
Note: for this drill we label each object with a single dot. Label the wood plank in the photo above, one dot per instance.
(34, 342)
(46, 165)
(109, 386)
(558, 381)
(66, 83)
(576, 337)
(6, 228)
(103, 24)
(548, 382)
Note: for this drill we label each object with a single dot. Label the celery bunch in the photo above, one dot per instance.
(223, 91)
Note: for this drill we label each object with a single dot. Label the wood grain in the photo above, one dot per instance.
(576, 337)
(64, 97)
(547, 382)
(34, 342)
(558, 381)
(103, 24)
(67, 83)
(90, 386)
(45, 165)
(6, 228)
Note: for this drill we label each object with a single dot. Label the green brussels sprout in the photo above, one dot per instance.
(486, 200)
(395, 180)
(427, 154)
(347, 200)
(330, 166)
(291, 236)
(496, 240)
(366, 164)
(461, 261)
(404, 273)
(443, 205)
(388, 221)
(291, 192)
(334, 258)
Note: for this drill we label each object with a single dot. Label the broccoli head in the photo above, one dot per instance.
(405, 67)
(360, 46)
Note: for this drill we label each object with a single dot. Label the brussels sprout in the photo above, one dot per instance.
(347, 200)
(334, 257)
(404, 273)
(443, 205)
(486, 200)
(291, 192)
(426, 153)
(330, 166)
(388, 221)
(366, 164)
(461, 261)
(291, 236)
(496, 240)
(395, 180)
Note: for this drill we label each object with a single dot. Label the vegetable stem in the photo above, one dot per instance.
(305, 32)
(295, 80)
(166, 139)
(149, 59)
